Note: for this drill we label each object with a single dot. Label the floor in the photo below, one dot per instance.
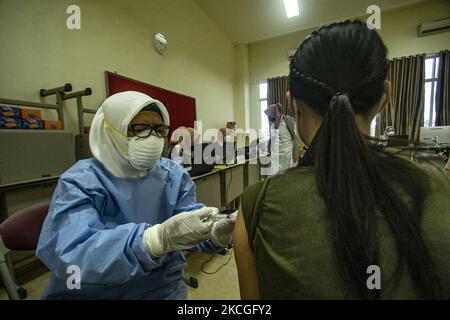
(222, 285)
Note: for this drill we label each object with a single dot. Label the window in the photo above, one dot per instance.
(431, 78)
(263, 106)
(373, 127)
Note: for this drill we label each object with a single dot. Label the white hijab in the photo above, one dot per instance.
(108, 134)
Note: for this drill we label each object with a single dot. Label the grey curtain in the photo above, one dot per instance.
(276, 93)
(443, 90)
(405, 109)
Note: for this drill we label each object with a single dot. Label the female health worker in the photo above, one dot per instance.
(118, 221)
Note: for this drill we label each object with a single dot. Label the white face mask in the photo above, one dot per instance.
(144, 153)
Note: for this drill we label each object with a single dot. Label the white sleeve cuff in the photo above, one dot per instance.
(151, 240)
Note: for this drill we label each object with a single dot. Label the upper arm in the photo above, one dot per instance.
(186, 199)
(74, 234)
(245, 261)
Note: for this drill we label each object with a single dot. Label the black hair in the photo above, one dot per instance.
(339, 71)
(153, 107)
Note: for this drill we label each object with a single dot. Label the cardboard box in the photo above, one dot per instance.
(10, 123)
(32, 124)
(52, 125)
(26, 114)
(9, 112)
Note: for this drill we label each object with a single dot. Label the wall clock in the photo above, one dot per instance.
(160, 43)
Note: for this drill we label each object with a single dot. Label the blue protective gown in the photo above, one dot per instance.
(96, 222)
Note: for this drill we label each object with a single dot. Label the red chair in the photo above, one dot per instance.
(20, 232)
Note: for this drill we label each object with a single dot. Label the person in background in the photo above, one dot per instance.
(283, 132)
(224, 146)
(389, 131)
(224, 135)
(354, 221)
(181, 143)
(122, 218)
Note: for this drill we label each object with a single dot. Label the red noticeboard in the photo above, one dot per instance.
(181, 108)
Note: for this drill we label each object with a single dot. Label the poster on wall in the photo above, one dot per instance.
(181, 107)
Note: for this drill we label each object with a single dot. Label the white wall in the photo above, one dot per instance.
(37, 51)
(242, 88)
(398, 29)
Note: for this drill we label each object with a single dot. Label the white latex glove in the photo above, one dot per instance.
(182, 231)
(222, 231)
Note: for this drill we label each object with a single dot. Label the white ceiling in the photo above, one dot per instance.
(246, 21)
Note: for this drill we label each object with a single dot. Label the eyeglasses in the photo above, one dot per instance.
(145, 130)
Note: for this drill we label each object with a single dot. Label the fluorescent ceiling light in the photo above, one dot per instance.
(291, 7)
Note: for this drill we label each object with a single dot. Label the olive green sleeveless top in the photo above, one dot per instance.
(291, 238)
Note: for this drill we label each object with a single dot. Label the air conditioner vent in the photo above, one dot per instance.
(433, 27)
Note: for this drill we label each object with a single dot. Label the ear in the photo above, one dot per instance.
(288, 98)
(385, 99)
(291, 103)
(387, 95)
